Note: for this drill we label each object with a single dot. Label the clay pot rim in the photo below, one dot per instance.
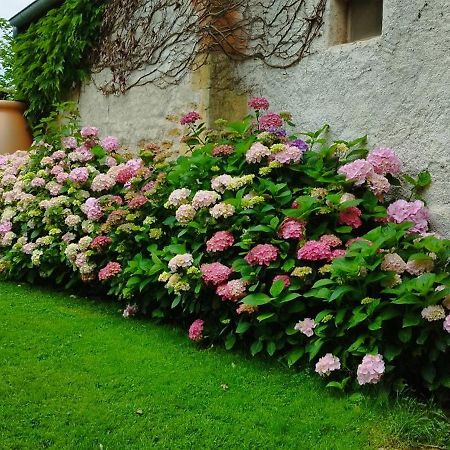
(12, 104)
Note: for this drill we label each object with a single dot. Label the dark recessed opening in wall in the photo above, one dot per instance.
(355, 20)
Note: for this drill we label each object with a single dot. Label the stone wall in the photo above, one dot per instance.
(394, 87)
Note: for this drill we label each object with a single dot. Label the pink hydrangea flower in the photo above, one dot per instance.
(92, 209)
(306, 326)
(5, 227)
(289, 155)
(59, 154)
(103, 182)
(403, 211)
(125, 175)
(137, 202)
(357, 171)
(292, 228)
(257, 152)
(284, 278)
(220, 241)
(215, 273)
(204, 199)
(446, 324)
(70, 143)
(37, 182)
(327, 364)
(62, 177)
(337, 253)
(314, 251)
(109, 271)
(100, 242)
(190, 117)
(221, 183)
(384, 161)
(331, 240)
(181, 261)
(196, 330)
(371, 369)
(185, 213)
(223, 150)
(232, 291)
(393, 262)
(270, 120)
(178, 197)
(243, 308)
(89, 132)
(416, 267)
(79, 175)
(262, 255)
(378, 184)
(351, 217)
(258, 103)
(110, 143)
(110, 161)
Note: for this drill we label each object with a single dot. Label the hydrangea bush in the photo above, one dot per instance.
(260, 237)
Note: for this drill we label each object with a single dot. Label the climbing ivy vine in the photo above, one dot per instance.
(52, 55)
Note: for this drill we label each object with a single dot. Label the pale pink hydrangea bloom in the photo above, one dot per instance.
(306, 326)
(196, 330)
(221, 183)
(72, 220)
(215, 273)
(89, 132)
(46, 161)
(247, 309)
(257, 152)
(109, 271)
(357, 171)
(262, 255)
(69, 142)
(29, 248)
(259, 103)
(371, 369)
(130, 311)
(37, 182)
(5, 227)
(181, 261)
(350, 216)
(110, 143)
(62, 177)
(347, 197)
(433, 312)
(393, 262)
(57, 169)
(232, 291)
(292, 228)
(53, 188)
(204, 199)
(222, 209)
(59, 154)
(446, 324)
(384, 161)
(314, 251)
(284, 278)
(379, 184)
(79, 175)
(403, 211)
(185, 213)
(103, 182)
(327, 364)
(179, 197)
(110, 161)
(331, 240)
(92, 209)
(416, 267)
(220, 241)
(290, 154)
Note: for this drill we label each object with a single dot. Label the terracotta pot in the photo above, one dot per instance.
(14, 131)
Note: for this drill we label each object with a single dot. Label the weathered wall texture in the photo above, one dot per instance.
(395, 88)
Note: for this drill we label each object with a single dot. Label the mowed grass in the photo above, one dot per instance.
(75, 375)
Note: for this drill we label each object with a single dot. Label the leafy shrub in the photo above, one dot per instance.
(258, 238)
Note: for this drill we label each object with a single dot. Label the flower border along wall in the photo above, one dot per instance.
(261, 238)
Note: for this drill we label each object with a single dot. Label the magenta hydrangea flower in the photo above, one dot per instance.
(259, 103)
(220, 241)
(314, 251)
(79, 175)
(109, 271)
(292, 228)
(232, 291)
(384, 161)
(331, 240)
(190, 117)
(350, 216)
(371, 369)
(306, 326)
(403, 211)
(125, 175)
(215, 273)
(262, 255)
(357, 171)
(110, 143)
(284, 278)
(196, 330)
(100, 242)
(327, 364)
(270, 120)
(89, 132)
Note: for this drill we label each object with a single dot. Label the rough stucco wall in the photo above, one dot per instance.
(395, 88)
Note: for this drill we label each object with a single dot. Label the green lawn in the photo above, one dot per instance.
(76, 375)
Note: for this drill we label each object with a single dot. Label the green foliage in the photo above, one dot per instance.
(6, 61)
(76, 375)
(52, 55)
